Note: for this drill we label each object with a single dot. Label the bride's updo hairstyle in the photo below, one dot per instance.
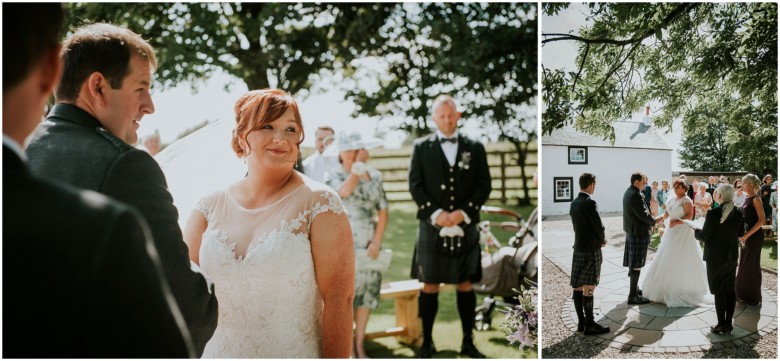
(258, 108)
(680, 182)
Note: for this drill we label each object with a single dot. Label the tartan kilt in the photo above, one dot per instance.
(586, 268)
(431, 266)
(635, 253)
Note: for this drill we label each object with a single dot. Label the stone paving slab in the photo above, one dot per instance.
(654, 327)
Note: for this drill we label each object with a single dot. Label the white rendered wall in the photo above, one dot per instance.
(612, 167)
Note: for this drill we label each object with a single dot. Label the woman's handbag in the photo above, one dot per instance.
(363, 261)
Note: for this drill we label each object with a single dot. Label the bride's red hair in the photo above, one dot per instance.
(259, 107)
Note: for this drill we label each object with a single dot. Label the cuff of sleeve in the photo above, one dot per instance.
(466, 217)
(435, 214)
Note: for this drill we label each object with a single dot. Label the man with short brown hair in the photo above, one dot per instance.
(87, 141)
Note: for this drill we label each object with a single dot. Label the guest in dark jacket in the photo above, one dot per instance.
(587, 259)
(81, 277)
(87, 142)
(720, 233)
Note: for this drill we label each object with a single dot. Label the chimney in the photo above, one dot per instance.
(647, 121)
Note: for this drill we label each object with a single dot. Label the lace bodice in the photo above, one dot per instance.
(261, 264)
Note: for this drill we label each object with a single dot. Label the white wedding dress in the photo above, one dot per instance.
(261, 264)
(677, 276)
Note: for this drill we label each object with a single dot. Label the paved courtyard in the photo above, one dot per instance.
(652, 327)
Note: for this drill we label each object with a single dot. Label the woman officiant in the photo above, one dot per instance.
(720, 233)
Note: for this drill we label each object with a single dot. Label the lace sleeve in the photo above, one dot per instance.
(329, 201)
(205, 207)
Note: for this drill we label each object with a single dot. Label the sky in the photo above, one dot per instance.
(561, 55)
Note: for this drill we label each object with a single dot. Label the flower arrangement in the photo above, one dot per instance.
(465, 160)
(522, 320)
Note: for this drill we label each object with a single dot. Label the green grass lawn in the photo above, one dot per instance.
(768, 251)
(447, 334)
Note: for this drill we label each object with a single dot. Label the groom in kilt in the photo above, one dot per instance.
(636, 223)
(449, 181)
(586, 261)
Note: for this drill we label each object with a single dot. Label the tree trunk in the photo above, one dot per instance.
(522, 156)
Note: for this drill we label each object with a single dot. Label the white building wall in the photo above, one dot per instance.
(612, 167)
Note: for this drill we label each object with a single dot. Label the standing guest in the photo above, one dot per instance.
(748, 286)
(636, 223)
(360, 187)
(720, 233)
(86, 142)
(724, 180)
(662, 196)
(691, 186)
(766, 192)
(586, 262)
(317, 165)
(152, 144)
(739, 194)
(81, 276)
(449, 180)
(773, 204)
(654, 199)
(702, 201)
(647, 194)
(712, 183)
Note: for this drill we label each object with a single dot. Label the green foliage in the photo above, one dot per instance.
(282, 45)
(686, 56)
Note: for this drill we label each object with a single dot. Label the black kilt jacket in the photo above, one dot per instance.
(434, 184)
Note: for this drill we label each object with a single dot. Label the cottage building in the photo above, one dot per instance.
(567, 153)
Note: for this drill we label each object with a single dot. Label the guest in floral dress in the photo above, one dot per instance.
(360, 188)
(702, 200)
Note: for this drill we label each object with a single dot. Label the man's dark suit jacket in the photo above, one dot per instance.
(636, 216)
(72, 147)
(428, 171)
(588, 229)
(80, 276)
(721, 239)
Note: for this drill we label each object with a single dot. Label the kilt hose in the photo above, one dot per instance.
(586, 268)
(635, 253)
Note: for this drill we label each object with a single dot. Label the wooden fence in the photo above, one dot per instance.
(502, 159)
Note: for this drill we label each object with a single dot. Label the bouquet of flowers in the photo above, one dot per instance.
(522, 320)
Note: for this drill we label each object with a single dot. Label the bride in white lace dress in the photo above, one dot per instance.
(677, 276)
(276, 244)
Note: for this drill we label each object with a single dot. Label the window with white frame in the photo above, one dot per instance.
(563, 188)
(578, 155)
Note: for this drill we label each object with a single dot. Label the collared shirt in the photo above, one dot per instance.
(450, 149)
(316, 166)
(15, 147)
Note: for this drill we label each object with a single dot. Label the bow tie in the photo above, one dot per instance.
(452, 140)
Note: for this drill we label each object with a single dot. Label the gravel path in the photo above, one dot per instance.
(557, 341)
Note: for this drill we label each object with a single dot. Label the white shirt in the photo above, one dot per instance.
(450, 149)
(15, 147)
(316, 166)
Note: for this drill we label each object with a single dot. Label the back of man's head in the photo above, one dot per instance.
(102, 48)
(29, 30)
(586, 179)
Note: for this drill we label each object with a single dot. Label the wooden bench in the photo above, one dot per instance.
(408, 327)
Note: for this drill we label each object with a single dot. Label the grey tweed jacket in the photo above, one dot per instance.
(72, 147)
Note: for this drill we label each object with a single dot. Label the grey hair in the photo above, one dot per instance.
(444, 99)
(752, 180)
(726, 192)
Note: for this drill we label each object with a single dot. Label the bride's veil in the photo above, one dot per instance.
(199, 164)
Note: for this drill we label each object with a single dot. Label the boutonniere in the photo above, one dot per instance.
(465, 160)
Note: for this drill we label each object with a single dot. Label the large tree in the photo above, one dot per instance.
(283, 45)
(681, 55)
